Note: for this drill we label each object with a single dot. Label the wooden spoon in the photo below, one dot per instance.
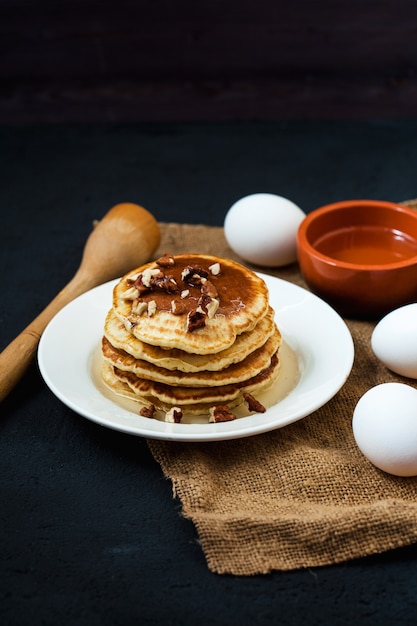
(125, 238)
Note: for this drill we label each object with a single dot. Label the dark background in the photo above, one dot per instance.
(183, 107)
(92, 60)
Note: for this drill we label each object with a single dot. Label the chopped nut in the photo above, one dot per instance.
(131, 294)
(208, 305)
(221, 413)
(195, 319)
(166, 261)
(140, 286)
(212, 307)
(253, 403)
(215, 269)
(208, 289)
(203, 302)
(151, 308)
(185, 273)
(174, 415)
(147, 411)
(139, 307)
(195, 280)
(194, 275)
(147, 275)
(163, 282)
(178, 308)
(185, 293)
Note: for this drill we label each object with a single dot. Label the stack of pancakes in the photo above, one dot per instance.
(191, 334)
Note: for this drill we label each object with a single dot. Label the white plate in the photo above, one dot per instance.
(315, 332)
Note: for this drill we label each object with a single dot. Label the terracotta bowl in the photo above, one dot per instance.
(360, 256)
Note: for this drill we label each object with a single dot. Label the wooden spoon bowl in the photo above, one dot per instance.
(125, 238)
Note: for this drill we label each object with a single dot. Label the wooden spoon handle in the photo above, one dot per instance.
(17, 356)
(15, 359)
(125, 238)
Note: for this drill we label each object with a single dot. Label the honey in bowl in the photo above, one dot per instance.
(367, 245)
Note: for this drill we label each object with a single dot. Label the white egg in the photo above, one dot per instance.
(262, 229)
(384, 425)
(394, 340)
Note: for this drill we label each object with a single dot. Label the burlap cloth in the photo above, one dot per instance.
(297, 497)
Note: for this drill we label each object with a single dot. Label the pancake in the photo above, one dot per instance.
(194, 400)
(198, 304)
(191, 334)
(119, 337)
(254, 363)
(123, 390)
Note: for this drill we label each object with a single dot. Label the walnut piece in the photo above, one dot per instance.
(151, 308)
(164, 282)
(174, 415)
(139, 307)
(147, 275)
(215, 269)
(253, 403)
(221, 413)
(194, 275)
(140, 286)
(212, 307)
(147, 411)
(131, 294)
(166, 261)
(208, 305)
(195, 319)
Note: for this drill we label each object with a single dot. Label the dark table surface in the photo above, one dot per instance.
(90, 533)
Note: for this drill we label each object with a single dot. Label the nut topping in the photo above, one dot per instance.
(208, 305)
(221, 413)
(166, 261)
(151, 308)
(194, 275)
(174, 415)
(148, 274)
(253, 404)
(139, 307)
(140, 286)
(195, 319)
(147, 411)
(132, 293)
(155, 278)
(212, 307)
(163, 282)
(215, 269)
